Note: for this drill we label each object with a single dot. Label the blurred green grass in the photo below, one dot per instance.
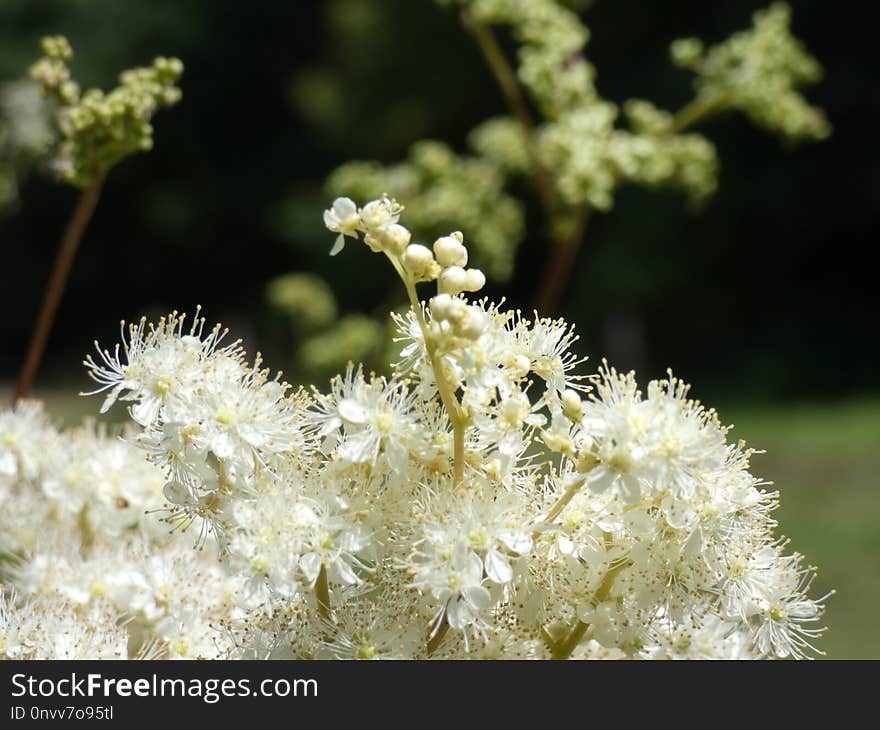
(822, 458)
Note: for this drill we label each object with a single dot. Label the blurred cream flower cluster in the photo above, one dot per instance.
(91, 571)
(98, 129)
(573, 146)
(759, 72)
(491, 499)
(578, 142)
(83, 134)
(25, 135)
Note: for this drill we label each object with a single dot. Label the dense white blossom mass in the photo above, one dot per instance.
(491, 499)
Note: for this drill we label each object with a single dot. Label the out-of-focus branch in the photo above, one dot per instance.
(56, 285)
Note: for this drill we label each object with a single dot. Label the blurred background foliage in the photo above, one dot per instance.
(761, 297)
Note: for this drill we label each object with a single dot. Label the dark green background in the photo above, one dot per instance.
(764, 294)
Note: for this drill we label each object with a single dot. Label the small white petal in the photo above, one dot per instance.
(310, 565)
(338, 245)
(352, 411)
(497, 567)
(477, 596)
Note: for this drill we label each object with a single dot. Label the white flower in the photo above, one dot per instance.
(788, 619)
(50, 628)
(366, 421)
(342, 218)
(378, 214)
(456, 583)
(25, 437)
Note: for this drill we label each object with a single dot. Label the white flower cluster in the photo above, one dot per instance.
(25, 134)
(487, 501)
(97, 574)
(578, 141)
(53, 629)
(759, 71)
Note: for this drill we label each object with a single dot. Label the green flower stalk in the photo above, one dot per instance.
(96, 130)
(576, 148)
(759, 72)
(99, 129)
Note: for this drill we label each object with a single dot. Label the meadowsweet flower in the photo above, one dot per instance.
(25, 436)
(360, 418)
(49, 628)
(154, 361)
(488, 500)
(343, 218)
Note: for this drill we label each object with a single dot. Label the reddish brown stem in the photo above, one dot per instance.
(505, 76)
(563, 252)
(73, 234)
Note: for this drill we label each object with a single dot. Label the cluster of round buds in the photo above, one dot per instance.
(98, 129)
(452, 257)
(452, 318)
(445, 264)
(377, 220)
(51, 70)
(456, 318)
(451, 315)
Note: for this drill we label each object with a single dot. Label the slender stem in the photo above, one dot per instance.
(516, 102)
(73, 234)
(458, 451)
(564, 247)
(501, 69)
(322, 594)
(563, 252)
(695, 111)
(568, 645)
(437, 630)
(447, 396)
(450, 402)
(564, 500)
(87, 534)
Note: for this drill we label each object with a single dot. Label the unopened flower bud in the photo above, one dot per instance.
(474, 280)
(518, 365)
(419, 261)
(453, 280)
(441, 306)
(571, 405)
(514, 410)
(473, 324)
(396, 238)
(450, 252)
